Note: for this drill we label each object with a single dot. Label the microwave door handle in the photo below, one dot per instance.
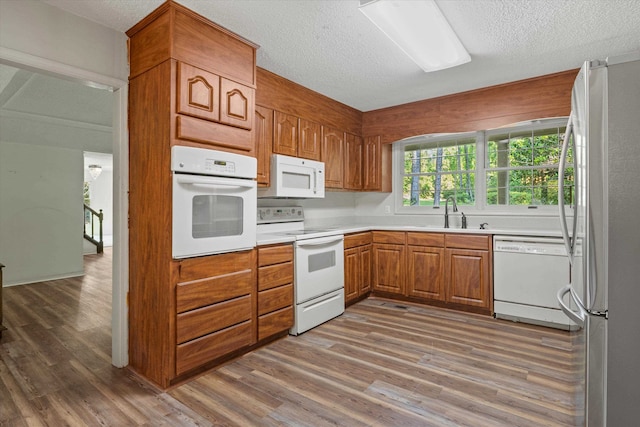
(315, 181)
(214, 182)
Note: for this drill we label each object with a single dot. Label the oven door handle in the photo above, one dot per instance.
(192, 180)
(320, 242)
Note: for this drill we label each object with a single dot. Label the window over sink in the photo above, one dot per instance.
(512, 169)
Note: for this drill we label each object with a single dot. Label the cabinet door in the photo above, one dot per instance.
(376, 173)
(263, 140)
(285, 134)
(351, 274)
(388, 268)
(237, 104)
(333, 157)
(365, 269)
(353, 162)
(310, 134)
(468, 277)
(425, 268)
(198, 92)
(372, 175)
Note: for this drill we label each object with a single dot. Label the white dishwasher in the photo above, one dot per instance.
(527, 274)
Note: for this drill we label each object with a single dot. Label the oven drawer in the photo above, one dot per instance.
(210, 347)
(195, 323)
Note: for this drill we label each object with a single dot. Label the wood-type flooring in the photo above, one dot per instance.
(382, 363)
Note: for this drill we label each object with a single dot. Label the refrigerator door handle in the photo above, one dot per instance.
(568, 243)
(579, 317)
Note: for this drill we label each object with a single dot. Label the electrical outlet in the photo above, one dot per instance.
(387, 209)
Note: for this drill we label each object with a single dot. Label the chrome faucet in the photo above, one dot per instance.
(446, 210)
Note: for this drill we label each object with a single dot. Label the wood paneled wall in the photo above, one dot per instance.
(280, 94)
(545, 96)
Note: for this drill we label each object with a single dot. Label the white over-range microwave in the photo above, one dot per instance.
(214, 202)
(294, 177)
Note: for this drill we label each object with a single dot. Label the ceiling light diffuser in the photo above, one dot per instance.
(420, 29)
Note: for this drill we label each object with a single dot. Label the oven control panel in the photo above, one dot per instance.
(280, 214)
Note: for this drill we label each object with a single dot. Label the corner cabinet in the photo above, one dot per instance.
(357, 266)
(191, 83)
(389, 248)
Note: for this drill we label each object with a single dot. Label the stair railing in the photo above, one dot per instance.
(92, 215)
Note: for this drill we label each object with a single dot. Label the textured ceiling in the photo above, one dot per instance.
(330, 47)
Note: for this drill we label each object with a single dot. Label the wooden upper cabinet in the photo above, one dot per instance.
(309, 135)
(198, 92)
(285, 134)
(376, 173)
(333, 157)
(237, 103)
(174, 32)
(353, 162)
(263, 140)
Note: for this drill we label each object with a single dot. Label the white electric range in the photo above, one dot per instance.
(318, 265)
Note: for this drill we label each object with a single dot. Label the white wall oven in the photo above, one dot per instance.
(214, 202)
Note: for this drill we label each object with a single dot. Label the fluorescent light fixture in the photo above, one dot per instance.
(420, 29)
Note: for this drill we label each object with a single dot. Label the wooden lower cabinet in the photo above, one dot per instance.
(468, 273)
(275, 290)
(450, 269)
(215, 299)
(425, 268)
(389, 248)
(357, 266)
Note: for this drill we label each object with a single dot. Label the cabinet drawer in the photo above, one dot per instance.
(426, 239)
(195, 323)
(210, 347)
(220, 135)
(358, 239)
(468, 241)
(394, 237)
(275, 299)
(275, 322)
(275, 275)
(214, 265)
(200, 293)
(275, 255)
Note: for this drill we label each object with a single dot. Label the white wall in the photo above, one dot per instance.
(45, 31)
(40, 212)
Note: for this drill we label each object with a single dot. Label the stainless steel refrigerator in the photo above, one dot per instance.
(602, 145)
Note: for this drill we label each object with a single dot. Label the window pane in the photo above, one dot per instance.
(433, 190)
(528, 160)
